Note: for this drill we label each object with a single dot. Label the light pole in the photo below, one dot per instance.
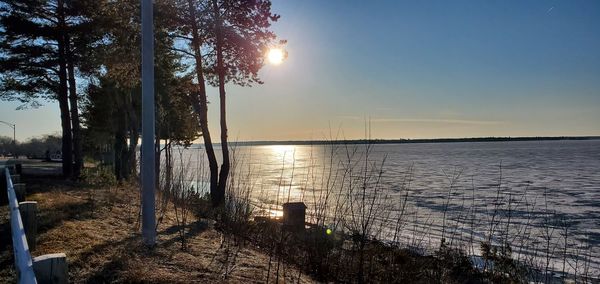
(147, 166)
(14, 127)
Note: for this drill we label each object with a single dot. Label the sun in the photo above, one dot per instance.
(275, 56)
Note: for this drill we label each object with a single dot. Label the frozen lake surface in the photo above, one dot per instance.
(523, 193)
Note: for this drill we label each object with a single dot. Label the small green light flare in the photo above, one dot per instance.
(328, 231)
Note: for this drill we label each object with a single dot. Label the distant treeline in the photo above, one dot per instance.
(36, 147)
(405, 141)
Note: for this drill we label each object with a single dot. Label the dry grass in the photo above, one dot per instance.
(97, 228)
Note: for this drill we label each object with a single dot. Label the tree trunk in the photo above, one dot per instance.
(157, 160)
(63, 97)
(120, 151)
(76, 128)
(200, 104)
(169, 165)
(133, 143)
(134, 136)
(224, 174)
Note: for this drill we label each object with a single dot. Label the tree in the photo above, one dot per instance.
(33, 62)
(113, 107)
(107, 119)
(7, 145)
(40, 147)
(83, 34)
(42, 44)
(176, 123)
(111, 113)
(226, 40)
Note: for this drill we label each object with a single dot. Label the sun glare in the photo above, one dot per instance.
(275, 56)
(281, 150)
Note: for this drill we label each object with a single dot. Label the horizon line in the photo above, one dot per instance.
(408, 140)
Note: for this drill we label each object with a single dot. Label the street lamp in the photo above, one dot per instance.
(14, 127)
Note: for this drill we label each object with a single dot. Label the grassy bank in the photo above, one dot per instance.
(97, 226)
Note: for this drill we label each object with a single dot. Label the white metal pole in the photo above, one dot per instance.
(147, 166)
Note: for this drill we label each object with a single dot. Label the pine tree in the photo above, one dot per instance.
(226, 40)
(33, 60)
(44, 45)
(113, 107)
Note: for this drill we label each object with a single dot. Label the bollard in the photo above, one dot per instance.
(16, 178)
(28, 211)
(20, 191)
(51, 268)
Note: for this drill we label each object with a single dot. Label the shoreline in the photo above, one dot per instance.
(408, 141)
(98, 218)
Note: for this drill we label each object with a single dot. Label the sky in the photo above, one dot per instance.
(411, 69)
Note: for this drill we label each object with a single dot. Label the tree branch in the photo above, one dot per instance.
(182, 51)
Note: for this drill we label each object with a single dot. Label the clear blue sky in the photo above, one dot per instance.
(416, 69)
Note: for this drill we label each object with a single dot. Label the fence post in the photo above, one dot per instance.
(20, 191)
(10, 165)
(16, 178)
(29, 217)
(51, 268)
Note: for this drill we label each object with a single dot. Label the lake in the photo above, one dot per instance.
(541, 197)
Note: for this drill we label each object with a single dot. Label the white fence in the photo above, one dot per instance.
(23, 262)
